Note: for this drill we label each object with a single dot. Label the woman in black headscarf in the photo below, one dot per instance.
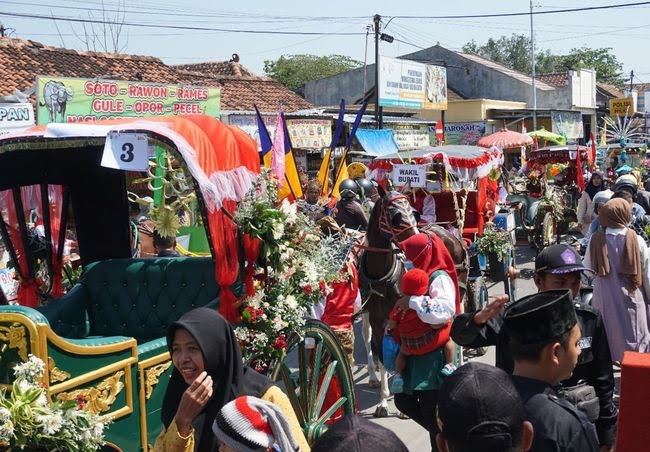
(585, 205)
(208, 373)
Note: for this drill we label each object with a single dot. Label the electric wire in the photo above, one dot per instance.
(528, 13)
(178, 27)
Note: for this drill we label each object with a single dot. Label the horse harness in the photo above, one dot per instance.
(386, 285)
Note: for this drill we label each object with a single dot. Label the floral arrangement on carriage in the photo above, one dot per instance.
(296, 264)
(29, 422)
(494, 242)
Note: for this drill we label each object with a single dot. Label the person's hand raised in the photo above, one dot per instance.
(491, 310)
(195, 397)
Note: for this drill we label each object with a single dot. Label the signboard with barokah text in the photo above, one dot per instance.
(413, 175)
(61, 99)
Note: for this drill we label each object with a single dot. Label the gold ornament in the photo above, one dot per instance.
(152, 375)
(97, 399)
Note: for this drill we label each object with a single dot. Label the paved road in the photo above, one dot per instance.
(414, 436)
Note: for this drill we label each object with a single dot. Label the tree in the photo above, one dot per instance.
(511, 51)
(103, 32)
(514, 52)
(293, 71)
(608, 68)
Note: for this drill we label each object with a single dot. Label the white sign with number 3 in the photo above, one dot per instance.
(126, 151)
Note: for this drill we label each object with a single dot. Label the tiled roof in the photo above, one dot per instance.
(242, 93)
(558, 79)
(453, 95)
(637, 86)
(505, 70)
(216, 68)
(609, 90)
(21, 61)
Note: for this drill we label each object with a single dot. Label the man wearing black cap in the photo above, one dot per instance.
(556, 267)
(543, 337)
(480, 409)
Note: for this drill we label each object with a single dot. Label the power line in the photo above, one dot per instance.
(528, 13)
(179, 27)
(172, 12)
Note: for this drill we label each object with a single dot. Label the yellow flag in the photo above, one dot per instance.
(343, 174)
(267, 159)
(324, 173)
(292, 184)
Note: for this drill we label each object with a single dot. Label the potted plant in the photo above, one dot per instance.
(495, 244)
(29, 422)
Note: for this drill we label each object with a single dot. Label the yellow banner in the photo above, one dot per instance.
(621, 106)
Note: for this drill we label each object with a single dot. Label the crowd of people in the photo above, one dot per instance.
(552, 386)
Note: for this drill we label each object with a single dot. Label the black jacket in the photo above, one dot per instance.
(594, 364)
(558, 426)
(350, 214)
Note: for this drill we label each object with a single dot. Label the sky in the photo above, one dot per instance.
(625, 30)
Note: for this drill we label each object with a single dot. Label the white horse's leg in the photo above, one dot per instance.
(384, 393)
(366, 331)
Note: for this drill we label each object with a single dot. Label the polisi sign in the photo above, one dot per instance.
(16, 115)
(621, 107)
(414, 175)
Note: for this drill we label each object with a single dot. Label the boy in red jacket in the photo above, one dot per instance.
(415, 336)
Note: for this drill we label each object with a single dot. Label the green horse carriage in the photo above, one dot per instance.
(103, 339)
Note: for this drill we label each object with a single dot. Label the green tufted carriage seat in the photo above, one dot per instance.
(136, 298)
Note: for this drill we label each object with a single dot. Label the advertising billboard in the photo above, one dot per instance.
(464, 132)
(409, 84)
(60, 99)
(15, 117)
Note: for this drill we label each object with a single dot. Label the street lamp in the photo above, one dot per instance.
(387, 38)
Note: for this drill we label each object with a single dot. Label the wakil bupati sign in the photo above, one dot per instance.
(413, 175)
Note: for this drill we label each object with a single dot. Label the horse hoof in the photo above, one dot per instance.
(381, 411)
(374, 384)
(402, 415)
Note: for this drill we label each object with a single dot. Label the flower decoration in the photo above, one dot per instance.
(28, 420)
(494, 241)
(296, 266)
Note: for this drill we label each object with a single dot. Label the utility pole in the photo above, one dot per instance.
(532, 62)
(631, 82)
(377, 20)
(3, 31)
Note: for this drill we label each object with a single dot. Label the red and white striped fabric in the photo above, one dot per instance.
(249, 424)
(505, 138)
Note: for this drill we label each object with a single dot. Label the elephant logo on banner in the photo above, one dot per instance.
(55, 98)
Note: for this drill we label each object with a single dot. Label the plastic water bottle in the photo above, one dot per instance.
(482, 262)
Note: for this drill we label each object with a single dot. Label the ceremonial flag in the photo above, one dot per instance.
(265, 140)
(277, 163)
(292, 185)
(580, 178)
(594, 152)
(342, 172)
(324, 170)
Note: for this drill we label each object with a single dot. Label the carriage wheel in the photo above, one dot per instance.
(477, 298)
(548, 230)
(322, 387)
(477, 295)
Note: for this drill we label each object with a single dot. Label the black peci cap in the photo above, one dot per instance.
(356, 434)
(479, 408)
(540, 318)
